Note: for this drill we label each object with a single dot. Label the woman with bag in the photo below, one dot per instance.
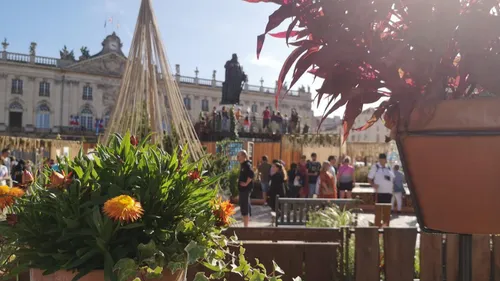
(328, 184)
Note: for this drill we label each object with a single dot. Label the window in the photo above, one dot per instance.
(43, 117)
(17, 86)
(44, 89)
(87, 93)
(204, 105)
(87, 119)
(187, 103)
(254, 108)
(16, 107)
(106, 119)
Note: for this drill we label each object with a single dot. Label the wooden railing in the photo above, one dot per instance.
(362, 254)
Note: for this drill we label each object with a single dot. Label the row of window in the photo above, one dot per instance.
(85, 119)
(44, 89)
(205, 105)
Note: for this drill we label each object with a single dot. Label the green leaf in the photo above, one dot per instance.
(200, 276)
(185, 226)
(146, 250)
(194, 252)
(175, 266)
(257, 276)
(276, 268)
(132, 225)
(154, 273)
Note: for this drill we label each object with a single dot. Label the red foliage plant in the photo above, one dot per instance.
(415, 52)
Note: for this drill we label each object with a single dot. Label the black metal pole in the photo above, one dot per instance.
(465, 257)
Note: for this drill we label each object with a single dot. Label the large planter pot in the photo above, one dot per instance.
(97, 275)
(451, 155)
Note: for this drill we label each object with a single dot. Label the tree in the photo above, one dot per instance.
(414, 52)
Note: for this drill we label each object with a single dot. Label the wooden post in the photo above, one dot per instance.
(382, 214)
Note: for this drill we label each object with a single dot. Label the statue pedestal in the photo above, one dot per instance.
(235, 106)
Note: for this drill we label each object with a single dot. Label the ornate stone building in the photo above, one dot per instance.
(71, 96)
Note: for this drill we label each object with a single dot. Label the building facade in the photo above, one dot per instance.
(374, 134)
(69, 96)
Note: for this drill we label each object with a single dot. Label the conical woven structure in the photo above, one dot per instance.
(149, 100)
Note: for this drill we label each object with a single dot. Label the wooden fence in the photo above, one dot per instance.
(367, 254)
(363, 254)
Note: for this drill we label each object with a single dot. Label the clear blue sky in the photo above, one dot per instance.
(196, 33)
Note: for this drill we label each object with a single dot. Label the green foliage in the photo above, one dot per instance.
(361, 173)
(331, 216)
(66, 228)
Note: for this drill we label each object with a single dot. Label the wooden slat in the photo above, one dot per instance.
(496, 257)
(431, 253)
(367, 254)
(321, 261)
(481, 258)
(452, 266)
(288, 256)
(399, 253)
(285, 234)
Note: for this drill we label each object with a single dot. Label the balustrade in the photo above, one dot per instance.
(23, 58)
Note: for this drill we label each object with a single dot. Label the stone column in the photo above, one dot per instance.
(261, 84)
(28, 97)
(3, 101)
(177, 72)
(214, 78)
(246, 84)
(196, 72)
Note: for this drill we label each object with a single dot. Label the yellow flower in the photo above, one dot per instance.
(6, 199)
(16, 192)
(123, 208)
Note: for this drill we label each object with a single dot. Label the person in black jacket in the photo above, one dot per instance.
(278, 184)
(245, 185)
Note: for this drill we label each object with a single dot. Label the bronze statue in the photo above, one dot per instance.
(233, 83)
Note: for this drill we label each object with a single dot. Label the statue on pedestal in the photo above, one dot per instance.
(234, 80)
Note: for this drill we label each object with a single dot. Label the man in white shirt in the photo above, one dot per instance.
(4, 174)
(6, 158)
(381, 177)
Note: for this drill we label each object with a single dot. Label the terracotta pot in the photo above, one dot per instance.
(97, 275)
(450, 155)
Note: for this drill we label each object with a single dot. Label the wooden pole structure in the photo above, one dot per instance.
(149, 100)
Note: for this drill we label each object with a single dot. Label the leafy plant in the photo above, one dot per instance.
(415, 53)
(332, 217)
(130, 209)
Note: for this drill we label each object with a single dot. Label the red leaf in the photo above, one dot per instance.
(284, 34)
(352, 110)
(286, 67)
(375, 117)
(275, 19)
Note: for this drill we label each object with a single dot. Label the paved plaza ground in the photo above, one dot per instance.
(261, 217)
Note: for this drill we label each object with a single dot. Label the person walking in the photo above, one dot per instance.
(327, 183)
(303, 177)
(381, 178)
(264, 171)
(399, 189)
(245, 184)
(294, 181)
(278, 183)
(346, 179)
(313, 169)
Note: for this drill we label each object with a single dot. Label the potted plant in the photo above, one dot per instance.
(433, 67)
(129, 211)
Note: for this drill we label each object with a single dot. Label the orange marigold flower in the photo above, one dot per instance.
(16, 192)
(223, 210)
(123, 208)
(6, 199)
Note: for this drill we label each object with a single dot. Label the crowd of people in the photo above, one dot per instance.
(312, 179)
(272, 121)
(20, 172)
